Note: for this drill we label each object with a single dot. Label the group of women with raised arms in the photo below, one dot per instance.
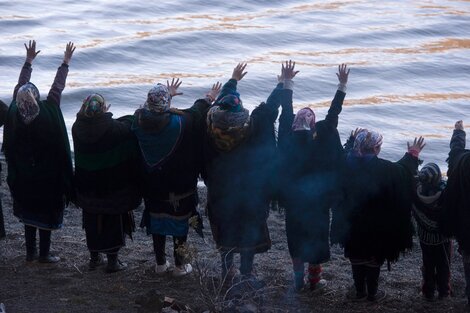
(331, 193)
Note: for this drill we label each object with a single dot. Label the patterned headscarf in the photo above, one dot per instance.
(366, 142)
(228, 129)
(158, 99)
(93, 105)
(230, 102)
(304, 120)
(27, 100)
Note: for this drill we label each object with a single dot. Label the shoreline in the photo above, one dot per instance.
(69, 287)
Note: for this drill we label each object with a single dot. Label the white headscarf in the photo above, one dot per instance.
(27, 100)
(158, 99)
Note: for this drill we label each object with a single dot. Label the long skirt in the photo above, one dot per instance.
(106, 232)
(308, 231)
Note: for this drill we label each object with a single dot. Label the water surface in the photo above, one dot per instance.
(410, 68)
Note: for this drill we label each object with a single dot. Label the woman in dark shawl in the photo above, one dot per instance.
(170, 145)
(3, 116)
(37, 151)
(311, 156)
(377, 207)
(456, 215)
(238, 153)
(106, 179)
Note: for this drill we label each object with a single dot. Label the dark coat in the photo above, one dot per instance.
(106, 164)
(377, 207)
(3, 117)
(309, 174)
(3, 112)
(177, 172)
(239, 182)
(38, 157)
(456, 214)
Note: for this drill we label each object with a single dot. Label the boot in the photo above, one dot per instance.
(31, 254)
(358, 293)
(30, 240)
(96, 260)
(299, 281)
(44, 248)
(114, 265)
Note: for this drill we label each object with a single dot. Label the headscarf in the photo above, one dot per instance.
(366, 142)
(304, 120)
(158, 99)
(27, 100)
(94, 105)
(225, 119)
(228, 128)
(230, 102)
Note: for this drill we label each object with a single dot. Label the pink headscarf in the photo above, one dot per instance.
(304, 120)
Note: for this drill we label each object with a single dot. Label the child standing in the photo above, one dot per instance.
(436, 248)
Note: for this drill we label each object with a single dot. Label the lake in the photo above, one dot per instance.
(410, 69)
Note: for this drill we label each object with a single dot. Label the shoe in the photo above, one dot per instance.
(48, 259)
(30, 257)
(231, 277)
(182, 270)
(251, 282)
(354, 296)
(96, 262)
(378, 297)
(162, 269)
(322, 283)
(444, 297)
(115, 266)
(429, 298)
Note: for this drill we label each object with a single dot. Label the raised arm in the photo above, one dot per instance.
(457, 145)
(230, 87)
(199, 108)
(349, 145)
(26, 70)
(288, 72)
(287, 116)
(410, 160)
(59, 81)
(337, 103)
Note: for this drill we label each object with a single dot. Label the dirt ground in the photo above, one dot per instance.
(69, 287)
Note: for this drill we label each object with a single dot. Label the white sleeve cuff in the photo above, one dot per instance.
(289, 84)
(342, 87)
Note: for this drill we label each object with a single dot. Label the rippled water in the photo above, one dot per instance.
(410, 59)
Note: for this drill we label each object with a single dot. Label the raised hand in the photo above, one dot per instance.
(343, 73)
(214, 92)
(31, 52)
(288, 70)
(417, 146)
(69, 50)
(238, 71)
(173, 87)
(459, 125)
(356, 132)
